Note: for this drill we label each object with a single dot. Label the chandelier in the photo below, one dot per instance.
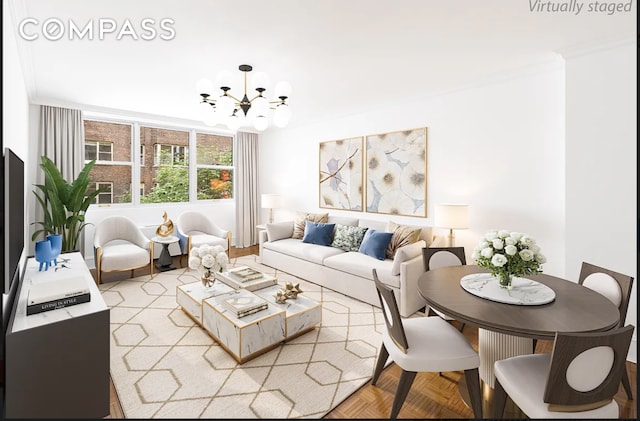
(227, 109)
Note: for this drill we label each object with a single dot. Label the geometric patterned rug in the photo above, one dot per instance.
(164, 365)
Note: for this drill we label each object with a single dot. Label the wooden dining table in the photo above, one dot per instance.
(506, 330)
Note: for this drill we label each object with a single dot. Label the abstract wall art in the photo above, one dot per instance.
(396, 172)
(341, 174)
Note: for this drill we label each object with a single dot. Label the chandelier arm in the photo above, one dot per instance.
(234, 98)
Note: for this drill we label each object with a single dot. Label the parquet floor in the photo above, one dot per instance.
(431, 396)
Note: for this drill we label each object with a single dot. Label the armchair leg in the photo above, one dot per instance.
(626, 384)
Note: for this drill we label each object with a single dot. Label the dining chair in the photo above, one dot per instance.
(423, 344)
(577, 380)
(194, 229)
(617, 288)
(119, 244)
(436, 257)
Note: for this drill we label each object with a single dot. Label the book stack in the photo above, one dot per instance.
(242, 303)
(57, 294)
(245, 273)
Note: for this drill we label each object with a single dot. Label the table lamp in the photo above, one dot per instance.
(270, 201)
(452, 216)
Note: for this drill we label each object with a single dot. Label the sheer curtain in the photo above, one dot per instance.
(61, 139)
(247, 197)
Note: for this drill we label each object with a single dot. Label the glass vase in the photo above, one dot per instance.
(208, 278)
(505, 280)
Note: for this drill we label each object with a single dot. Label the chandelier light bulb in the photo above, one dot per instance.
(225, 106)
(260, 123)
(208, 114)
(234, 121)
(224, 78)
(281, 115)
(283, 89)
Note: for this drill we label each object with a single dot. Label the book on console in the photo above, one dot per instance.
(59, 303)
(245, 273)
(53, 290)
(243, 303)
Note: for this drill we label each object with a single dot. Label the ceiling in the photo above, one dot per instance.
(340, 56)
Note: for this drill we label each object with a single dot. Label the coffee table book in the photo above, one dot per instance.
(54, 290)
(59, 303)
(245, 273)
(252, 285)
(242, 303)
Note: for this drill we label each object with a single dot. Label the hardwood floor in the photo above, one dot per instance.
(431, 396)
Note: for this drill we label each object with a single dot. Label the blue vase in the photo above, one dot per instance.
(43, 254)
(56, 246)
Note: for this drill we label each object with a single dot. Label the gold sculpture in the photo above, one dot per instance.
(289, 291)
(166, 228)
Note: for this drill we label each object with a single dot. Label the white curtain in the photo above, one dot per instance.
(247, 197)
(61, 139)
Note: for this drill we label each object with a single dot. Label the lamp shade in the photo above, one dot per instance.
(270, 201)
(452, 216)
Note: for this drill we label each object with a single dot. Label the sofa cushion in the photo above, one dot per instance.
(375, 243)
(309, 252)
(318, 233)
(279, 230)
(405, 253)
(359, 264)
(302, 217)
(402, 235)
(347, 237)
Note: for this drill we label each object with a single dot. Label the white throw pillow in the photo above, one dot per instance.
(279, 230)
(405, 253)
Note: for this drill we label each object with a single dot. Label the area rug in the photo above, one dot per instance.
(164, 365)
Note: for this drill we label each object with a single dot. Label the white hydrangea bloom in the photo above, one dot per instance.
(526, 255)
(511, 250)
(487, 252)
(527, 241)
(498, 260)
(503, 234)
(498, 244)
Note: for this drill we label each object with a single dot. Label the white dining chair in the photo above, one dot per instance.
(577, 380)
(617, 288)
(423, 344)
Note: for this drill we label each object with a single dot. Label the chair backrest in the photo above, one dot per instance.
(118, 227)
(194, 221)
(586, 369)
(436, 257)
(391, 314)
(613, 285)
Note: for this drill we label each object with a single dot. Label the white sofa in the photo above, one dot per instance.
(348, 272)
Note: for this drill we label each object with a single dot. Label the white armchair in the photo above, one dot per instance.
(195, 229)
(119, 245)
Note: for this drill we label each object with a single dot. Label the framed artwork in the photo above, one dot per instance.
(396, 172)
(341, 174)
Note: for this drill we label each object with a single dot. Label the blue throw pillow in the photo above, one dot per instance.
(375, 243)
(318, 233)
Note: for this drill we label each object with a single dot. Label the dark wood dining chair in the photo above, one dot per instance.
(423, 344)
(617, 288)
(577, 380)
(436, 257)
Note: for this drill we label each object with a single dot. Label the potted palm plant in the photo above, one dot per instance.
(64, 205)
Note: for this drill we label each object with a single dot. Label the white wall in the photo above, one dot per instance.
(601, 175)
(498, 147)
(15, 103)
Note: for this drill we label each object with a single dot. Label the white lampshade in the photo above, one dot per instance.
(270, 201)
(452, 216)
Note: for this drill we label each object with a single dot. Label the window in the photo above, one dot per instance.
(110, 145)
(169, 174)
(104, 197)
(163, 171)
(100, 151)
(214, 161)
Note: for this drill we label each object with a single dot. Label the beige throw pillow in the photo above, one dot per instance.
(302, 217)
(402, 236)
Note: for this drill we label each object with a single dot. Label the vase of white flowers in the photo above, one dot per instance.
(507, 254)
(208, 260)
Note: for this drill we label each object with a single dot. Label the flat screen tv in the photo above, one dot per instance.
(13, 230)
